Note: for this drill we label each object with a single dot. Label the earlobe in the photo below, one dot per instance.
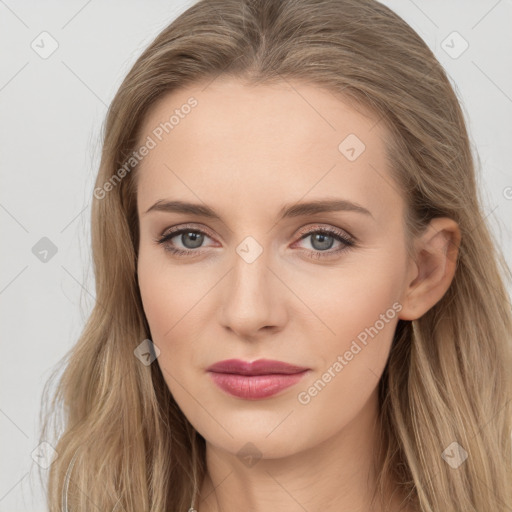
(436, 261)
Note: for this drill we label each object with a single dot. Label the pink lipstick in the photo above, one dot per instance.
(255, 380)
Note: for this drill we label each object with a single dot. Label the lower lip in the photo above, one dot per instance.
(255, 387)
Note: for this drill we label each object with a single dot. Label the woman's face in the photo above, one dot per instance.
(258, 276)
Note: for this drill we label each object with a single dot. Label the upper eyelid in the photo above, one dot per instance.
(176, 230)
(303, 232)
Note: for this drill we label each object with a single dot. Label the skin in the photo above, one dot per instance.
(246, 151)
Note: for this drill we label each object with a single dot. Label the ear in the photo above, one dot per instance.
(433, 267)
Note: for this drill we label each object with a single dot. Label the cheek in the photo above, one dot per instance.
(352, 298)
(360, 311)
(174, 303)
(167, 293)
(157, 298)
(363, 306)
(350, 361)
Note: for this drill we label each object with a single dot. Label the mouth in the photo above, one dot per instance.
(257, 380)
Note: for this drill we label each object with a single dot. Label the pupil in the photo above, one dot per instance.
(197, 239)
(321, 237)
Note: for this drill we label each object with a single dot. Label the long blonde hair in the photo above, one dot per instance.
(124, 444)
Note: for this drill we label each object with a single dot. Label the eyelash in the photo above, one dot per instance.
(316, 254)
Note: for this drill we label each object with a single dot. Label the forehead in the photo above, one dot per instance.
(260, 145)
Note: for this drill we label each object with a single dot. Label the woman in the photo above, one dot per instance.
(299, 303)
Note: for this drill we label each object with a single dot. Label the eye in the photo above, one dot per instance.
(322, 240)
(191, 239)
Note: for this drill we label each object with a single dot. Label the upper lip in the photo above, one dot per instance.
(259, 367)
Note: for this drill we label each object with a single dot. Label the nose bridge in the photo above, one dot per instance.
(250, 280)
(250, 298)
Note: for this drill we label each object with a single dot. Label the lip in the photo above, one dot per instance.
(255, 380)
(258, 367)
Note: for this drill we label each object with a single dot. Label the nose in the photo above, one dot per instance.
(253, 298)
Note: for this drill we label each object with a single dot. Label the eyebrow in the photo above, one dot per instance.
(287, 211)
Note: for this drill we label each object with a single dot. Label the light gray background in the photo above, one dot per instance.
(51, 113)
